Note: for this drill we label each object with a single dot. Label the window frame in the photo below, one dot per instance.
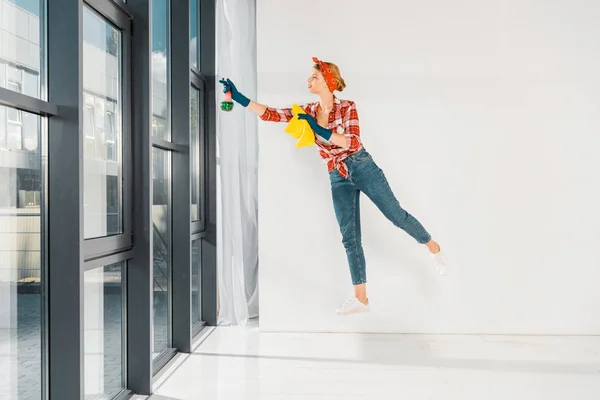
(199, 84)
(59, 103)
(119, 16)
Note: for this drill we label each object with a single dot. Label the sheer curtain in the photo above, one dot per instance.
(238, 165)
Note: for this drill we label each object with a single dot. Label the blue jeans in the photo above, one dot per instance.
(365, 176)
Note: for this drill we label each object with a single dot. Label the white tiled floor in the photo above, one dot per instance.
(237, 363)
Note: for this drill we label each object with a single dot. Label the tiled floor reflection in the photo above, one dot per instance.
(242, 363)
(29, 346)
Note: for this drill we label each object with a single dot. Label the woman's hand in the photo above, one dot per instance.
(336, 138)
(235, 94)
(318, 129)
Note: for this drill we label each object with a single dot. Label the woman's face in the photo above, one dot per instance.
(316, 82)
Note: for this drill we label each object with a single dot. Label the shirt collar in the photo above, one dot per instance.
(336, 102)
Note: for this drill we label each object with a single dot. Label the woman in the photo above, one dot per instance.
(351, 171)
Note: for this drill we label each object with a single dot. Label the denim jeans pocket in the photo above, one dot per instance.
(334, 176)
(360, 156)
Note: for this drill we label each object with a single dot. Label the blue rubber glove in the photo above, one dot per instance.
(235, 94)
(318, 129)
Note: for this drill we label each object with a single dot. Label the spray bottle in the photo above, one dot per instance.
(227, 104)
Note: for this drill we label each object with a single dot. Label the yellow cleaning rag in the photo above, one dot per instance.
(300, 129)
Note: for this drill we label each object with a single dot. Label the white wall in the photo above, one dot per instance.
(485, 118)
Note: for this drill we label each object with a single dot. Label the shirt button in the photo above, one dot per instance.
(340, 129)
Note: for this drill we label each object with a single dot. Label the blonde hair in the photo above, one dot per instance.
(341, 84)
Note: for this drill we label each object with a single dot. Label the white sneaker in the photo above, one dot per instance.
(352, 306)
(440, 262)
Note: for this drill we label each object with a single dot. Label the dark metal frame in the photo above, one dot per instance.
(198, 327)
(172, 148)
(65, 253)
(142, 367)
(207, 23)
(139, 313)
(108, 260)
(165, 356)
(199, 37)
(64, 193)
(198, 83)
(99, 252)
(26, 103)
(181, 200)
(117, 12)
(162, 360)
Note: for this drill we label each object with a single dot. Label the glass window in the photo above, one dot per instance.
(14, 116)
(99, 113)
(2, 72)
(14, 133)
(103, 169)
(14, 79)
(160, 68)
(111, 134)
(194, 44)
(21, 35)
(30, 84)
(15, 87)
(161, 227)
(196, 282)
(112, 41)
(88, 118)
(195, 154)
(159, 127)
(21, 269)
(30, 132)
(104, 334)
(2, 128)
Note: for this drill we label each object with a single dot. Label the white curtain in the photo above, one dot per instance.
(238, 165)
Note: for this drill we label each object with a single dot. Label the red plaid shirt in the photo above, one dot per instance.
(343, 119)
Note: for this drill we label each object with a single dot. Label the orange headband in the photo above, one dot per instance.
(327, 74)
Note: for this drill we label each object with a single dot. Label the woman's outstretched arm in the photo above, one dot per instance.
(257, 108)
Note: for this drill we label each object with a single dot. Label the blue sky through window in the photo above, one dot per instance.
(159, 25)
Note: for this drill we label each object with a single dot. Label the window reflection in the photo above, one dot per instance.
(20, 51)
(161, 234)
(102, 133)
(195, 159)
(160, 69)
(21, 277)
(194, 54)
(21, 166)
(18, 130)
(104, 333)
(196, 282)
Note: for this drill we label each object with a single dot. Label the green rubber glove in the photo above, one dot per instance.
(236, 96)
(318, 129)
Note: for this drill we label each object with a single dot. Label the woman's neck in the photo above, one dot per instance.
(326, 101)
